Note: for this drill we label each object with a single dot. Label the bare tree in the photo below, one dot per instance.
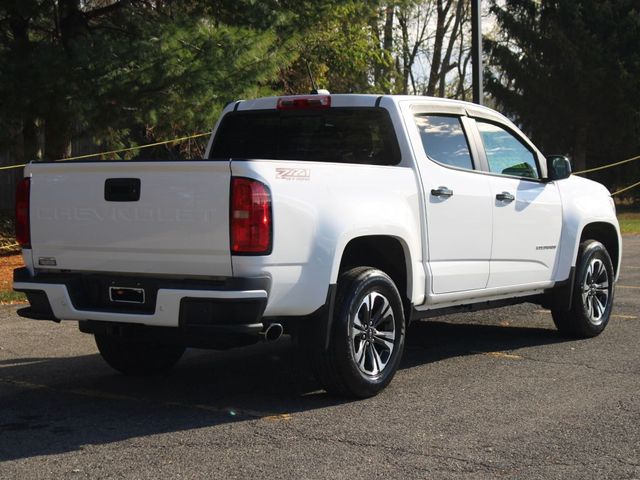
(454, 36)
(430, 46)
(413, 23)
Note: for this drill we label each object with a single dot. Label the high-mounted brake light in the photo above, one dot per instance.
(23, 231)
(251, 217)
(304, 103)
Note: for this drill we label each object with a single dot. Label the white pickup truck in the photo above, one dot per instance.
(338, 219)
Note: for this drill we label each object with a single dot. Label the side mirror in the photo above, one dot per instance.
(558, 167)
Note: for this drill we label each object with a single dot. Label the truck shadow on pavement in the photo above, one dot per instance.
(431, 341)
(51, 406)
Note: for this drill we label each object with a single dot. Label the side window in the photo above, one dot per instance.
(505, 153)
(444, 141)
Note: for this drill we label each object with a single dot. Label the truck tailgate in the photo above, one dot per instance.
(160, 218)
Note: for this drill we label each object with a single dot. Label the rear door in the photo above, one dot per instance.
(169, 218)
(527, 211)
(458, 205)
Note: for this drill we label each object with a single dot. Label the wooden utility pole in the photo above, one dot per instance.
(476, 51)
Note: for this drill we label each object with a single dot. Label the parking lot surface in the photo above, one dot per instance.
(495, 394)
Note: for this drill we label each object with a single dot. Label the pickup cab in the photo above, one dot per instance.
(338, 219)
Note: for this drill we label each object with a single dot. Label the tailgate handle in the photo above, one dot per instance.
(122, 189)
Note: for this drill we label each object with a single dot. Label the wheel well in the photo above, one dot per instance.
(606, 234)
(382, 252)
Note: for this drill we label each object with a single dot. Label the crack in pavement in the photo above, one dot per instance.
(574, 364)
(394, 450)
(624, 462)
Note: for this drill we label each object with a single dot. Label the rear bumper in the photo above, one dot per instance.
(226, 304)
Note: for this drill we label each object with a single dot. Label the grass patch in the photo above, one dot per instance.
(7, 264)
(6, 227)
(8, 297)
(7, 239)
(629, 223)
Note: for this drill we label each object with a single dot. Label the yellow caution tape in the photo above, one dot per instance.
(595, 169)
(198, 135)
(625, 189)
(12, 166)
(121, 150)
(175, 140)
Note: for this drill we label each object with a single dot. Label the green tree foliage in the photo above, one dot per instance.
(569, 72)
(106, 74)
(83, 75)
(343, 50)
(124, 72)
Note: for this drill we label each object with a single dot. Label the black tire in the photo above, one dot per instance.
(592, 294)
(343, 369)
(137, 358)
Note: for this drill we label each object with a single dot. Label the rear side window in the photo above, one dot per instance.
(444, 141)
(343, 135)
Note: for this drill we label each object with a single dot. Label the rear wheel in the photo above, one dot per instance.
(137, 358)
(592, 293)
(367, 337)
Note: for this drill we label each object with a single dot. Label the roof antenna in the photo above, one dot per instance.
(316, 90)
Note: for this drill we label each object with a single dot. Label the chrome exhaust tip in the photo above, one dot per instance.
(272, 332)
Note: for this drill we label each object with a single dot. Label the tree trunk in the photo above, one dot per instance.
(57, 138)
(73, 23)
(375, 32)
(453, 36)
(436, 61)
(23, 47)
(387, 45)
(30, 149)
(410, 51)
(580, 148)
(58, 120)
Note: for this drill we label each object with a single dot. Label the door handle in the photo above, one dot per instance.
(505, 197)
(441, 192)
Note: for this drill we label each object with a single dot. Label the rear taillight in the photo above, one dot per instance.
(23, 233)
(251, 218)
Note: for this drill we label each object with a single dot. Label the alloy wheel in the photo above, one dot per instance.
(595, 291)
(373, 334)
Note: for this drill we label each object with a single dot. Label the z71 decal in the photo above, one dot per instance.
(293, 173)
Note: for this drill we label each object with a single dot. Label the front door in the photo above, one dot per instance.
(527, 212)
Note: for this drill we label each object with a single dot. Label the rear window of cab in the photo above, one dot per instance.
(341, 135)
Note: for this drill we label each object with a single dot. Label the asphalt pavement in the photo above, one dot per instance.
(495, 394)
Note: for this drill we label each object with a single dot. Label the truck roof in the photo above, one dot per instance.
(368, 100)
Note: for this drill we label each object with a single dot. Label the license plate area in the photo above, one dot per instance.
(126, 295)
